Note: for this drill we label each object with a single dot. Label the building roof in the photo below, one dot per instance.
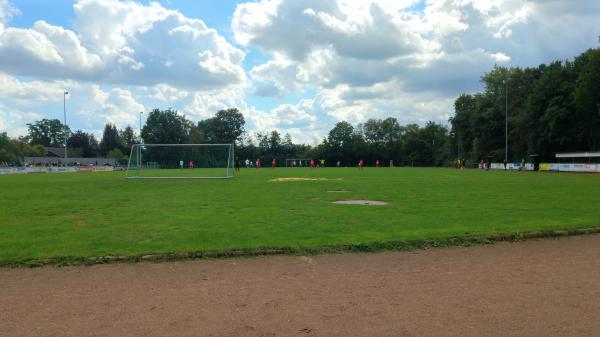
(55, 152)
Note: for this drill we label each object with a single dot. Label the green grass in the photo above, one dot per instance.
(97, 214)
(185, 172)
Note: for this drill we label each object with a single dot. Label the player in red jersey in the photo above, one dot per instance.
(273, 163)
(312, 163)
(361, 163)
(191, 164)
(377, 163)
(257, 163)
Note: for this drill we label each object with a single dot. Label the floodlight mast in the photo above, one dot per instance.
(65, 93)
(506, 120)
(140, 148)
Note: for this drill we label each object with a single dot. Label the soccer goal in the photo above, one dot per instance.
(181, 161)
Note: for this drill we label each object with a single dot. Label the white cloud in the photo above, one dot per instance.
(356, 105)
(167, 93)
(7, 11)
(276, 78)
(500, 57)
(384, 58)
(355, 29)
(124, 43)
(18, 102)
(202, 105)
(338, 59)
(302, 120)
(14, 123)
(88, 106)
(45, 50)
(117, 106)
(298, 115)
(19, 92)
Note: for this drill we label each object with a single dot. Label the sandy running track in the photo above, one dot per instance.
(536, 288)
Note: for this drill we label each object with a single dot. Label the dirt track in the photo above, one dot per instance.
(536, 288)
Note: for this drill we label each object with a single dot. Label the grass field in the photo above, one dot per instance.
(97, 214)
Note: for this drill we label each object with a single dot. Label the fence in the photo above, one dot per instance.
(550, 167)
(56, 161)
(56, 169)
(554, 167)
(512, 166)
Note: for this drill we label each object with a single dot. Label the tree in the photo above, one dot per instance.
(287, 146)
(231, 125)
(28, 150)
(341, 135)
(226, 127)
(166, 127)
(383, 138)
(110, 139)
(462, 127)
(9, 153)
(263, 143)
(587, 98)
(372, 131)
(115, 153)
(128, 138)
(275, 145)
(48, 132)
(196, 135)
(84, 141)
(12, 150)
(339, 143)
(550, 107)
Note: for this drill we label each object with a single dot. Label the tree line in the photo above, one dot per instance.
(549, 108)
(51, 133)
(374, 140)
(544, 109)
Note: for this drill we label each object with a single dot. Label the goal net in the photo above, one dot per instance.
(181, 161)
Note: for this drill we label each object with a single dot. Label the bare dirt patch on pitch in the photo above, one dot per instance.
(494, 290)
(361, 202)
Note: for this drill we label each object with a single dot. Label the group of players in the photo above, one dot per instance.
(312, 163)
(258, 163)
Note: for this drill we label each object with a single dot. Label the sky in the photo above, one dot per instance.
(288, 65)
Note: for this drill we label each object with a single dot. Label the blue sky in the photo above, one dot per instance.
(294, 66)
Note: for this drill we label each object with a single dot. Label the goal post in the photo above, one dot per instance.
(181, 161)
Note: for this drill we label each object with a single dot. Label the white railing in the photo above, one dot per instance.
(54, 169)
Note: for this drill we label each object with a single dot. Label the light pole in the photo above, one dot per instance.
(141, 113)
(65, 93)
(505, 120)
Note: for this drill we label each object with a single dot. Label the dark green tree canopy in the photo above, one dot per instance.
(551, 108)
(84, 141)
(48, 132)
(341, 135)
(166, 127)
(128, 138)
(110, 139)
(226, 127)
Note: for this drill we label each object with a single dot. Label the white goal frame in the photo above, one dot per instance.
(138, 147)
